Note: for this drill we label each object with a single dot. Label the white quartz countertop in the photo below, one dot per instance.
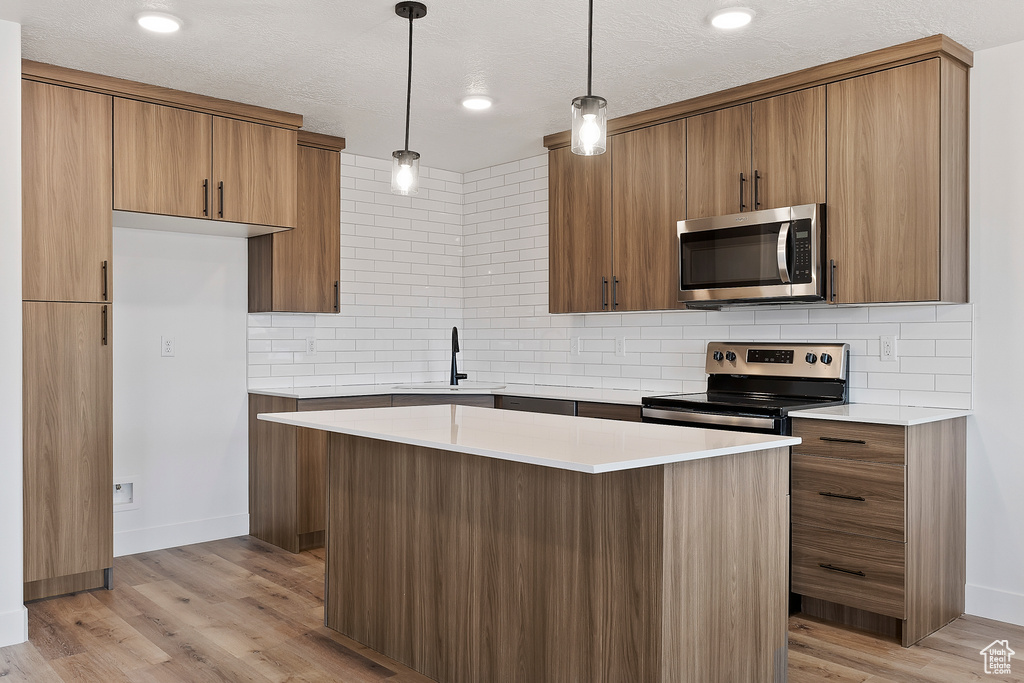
(905, 416)
(620, 396)
(564, 442)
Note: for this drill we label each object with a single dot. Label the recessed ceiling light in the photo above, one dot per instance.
(731, 17)
(477, 102)
(158, 22)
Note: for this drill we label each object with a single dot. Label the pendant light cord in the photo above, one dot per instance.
(408, 91)
(590, 48)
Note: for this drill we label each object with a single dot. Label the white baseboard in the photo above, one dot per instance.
(995, 604)
(174, 535)
(14, 627)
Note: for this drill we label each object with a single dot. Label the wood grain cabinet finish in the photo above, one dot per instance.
(879, 540)
(579, 231)
(897, 184)
(68, 463)
(162, 159)
(718, 162)
(66, 179)
(300, 270)
(255, 169)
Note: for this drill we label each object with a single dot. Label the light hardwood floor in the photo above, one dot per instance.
(242, 610)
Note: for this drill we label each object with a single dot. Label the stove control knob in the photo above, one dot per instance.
(730, 356)
(717, 355)
(826, 358)
(811, 358)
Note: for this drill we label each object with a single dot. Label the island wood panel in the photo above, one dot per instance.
(851, 440)
(580, 231)
(475, 569)
(955, 162)
(608, 411)
(873, 504)
(273, 506)
(717, 153)
(68, 452)
(648, 198)
(937, 526)
(788, 149)
(67, 224)
(257, 165)
(883, 180)
(162, 159)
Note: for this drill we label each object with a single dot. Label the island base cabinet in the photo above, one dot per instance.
(468, 568)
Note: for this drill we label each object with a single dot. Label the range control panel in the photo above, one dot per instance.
(826, 360)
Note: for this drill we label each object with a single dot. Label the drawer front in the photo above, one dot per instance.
(345, 402)
(553, 406)
(608, 411)
(851, 440)
(863, 498)
(866, 573)
(480, 401)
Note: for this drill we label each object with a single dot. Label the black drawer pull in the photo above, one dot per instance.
(862, 442)
(840, 569)
(840, 495)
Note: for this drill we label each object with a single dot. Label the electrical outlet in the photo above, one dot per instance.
(620, 346)
(574, 346)
(310, 345)
(887, 347)
(167, 347)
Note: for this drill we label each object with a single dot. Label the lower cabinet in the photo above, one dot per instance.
(68, 451)
(879, 524)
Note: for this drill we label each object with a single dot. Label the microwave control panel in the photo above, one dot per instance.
(801, 231)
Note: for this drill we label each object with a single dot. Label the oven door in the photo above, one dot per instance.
(736, 422)
(757, 255)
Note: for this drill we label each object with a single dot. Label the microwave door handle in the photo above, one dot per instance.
(782, 253)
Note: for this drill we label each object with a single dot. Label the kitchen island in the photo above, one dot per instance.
(473, 544)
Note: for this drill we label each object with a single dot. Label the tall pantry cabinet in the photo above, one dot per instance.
(68, 368)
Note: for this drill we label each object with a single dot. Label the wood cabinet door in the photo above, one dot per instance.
(718, 178)
(883, 185)
(68, 473)
(307, 260)
(67, 224)
(254, 171)
(162, 159)
(579, 231)
(648, 198)
(788, 143)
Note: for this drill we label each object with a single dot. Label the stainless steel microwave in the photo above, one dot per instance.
(767, 256)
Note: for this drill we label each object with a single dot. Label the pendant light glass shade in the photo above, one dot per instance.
(589, 125)
(405, 172)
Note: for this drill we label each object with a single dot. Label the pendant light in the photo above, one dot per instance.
(589, 112)
(405, 166)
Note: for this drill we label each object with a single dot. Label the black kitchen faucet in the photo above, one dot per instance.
(456, 375)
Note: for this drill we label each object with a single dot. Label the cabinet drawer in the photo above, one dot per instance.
(851, 440)
(345, 402)
(844, 495)
(866, 573)
(486, 401)
(553, 406)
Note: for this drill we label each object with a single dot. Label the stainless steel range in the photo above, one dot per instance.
(752, 387)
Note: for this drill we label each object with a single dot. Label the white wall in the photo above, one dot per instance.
(995, 474)
(180, 424)
(13, 616)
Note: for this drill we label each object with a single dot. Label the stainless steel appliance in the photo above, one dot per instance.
(752, 387)
(756, 256)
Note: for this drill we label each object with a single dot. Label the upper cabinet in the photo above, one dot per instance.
(66, 221)
(762, 155)
(177, 162)
(897, 180)
(300, 270)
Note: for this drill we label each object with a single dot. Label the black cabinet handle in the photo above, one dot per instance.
(615, 293)
(220, 189)
(757, 185)
(103, 317)
(832, 568)
(832, 280)
(337, 297)
(604, 293)
(743, 179)
(840, 495)
(104, 268)
(206, 197)
(836, 439)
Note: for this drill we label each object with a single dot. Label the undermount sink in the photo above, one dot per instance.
(445, 386)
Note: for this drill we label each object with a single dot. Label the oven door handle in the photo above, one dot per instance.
(782, 251)
(707, 418)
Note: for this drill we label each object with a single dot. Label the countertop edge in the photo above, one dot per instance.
(901, 416)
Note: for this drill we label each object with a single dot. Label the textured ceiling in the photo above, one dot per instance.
(342, 63)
